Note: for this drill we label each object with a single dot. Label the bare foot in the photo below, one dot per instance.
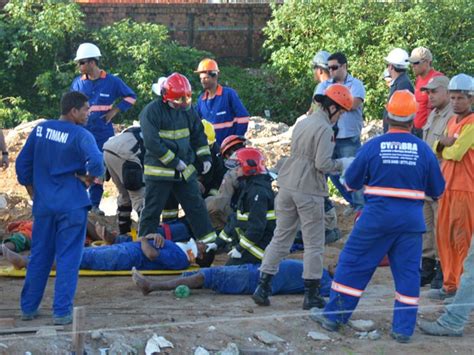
(141, 281)
(18, 261)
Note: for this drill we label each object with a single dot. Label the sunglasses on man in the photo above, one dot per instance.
(334, 67)
(82, 62)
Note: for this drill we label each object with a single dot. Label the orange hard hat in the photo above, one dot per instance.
(401, 106)
(206, 65)
(340, 95)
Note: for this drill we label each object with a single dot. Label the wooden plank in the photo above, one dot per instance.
(78, 327)
(7, 322)
(28, 329)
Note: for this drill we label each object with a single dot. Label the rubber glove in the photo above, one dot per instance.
(181, 166)
(234, 253)
(211, 246)
(206, 166)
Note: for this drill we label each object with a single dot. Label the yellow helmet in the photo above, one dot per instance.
(209, 131)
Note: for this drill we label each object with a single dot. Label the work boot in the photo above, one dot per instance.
(403, 339)
(427, 270)
(312, 298)
(29, 316)
(437, 281)
(264, 290)
(434, 328)
(318, 317)
(439, 294)
(64, 320)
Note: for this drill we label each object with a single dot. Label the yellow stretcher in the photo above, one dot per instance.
(12, 272)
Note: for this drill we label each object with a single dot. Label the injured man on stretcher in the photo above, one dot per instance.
(236, 280)
(152, 252)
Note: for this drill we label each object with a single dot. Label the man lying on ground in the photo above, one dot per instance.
(236, 280)
(152, 252)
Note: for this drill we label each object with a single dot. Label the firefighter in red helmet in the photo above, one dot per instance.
(174, 137)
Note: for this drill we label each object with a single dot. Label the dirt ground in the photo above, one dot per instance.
(121, 319)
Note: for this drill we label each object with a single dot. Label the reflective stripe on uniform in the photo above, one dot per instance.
(245, 216)
(190, 169)
(95, 108)
(249, 246)
(169, 213)
(346, 289)
(204, 150)
(223, 235)
(394, 192)
(169, 156)
(412, 301)
(158, 171)
(209, 238)
(130, 100)
(238, 120)
(174, 134)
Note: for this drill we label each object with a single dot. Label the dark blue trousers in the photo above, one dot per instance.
(59, 237)
(357, 263)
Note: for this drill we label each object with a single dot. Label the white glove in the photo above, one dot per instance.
(181, 165)
(234, 253)
(346, 162)
(206, 166)
(211, 246)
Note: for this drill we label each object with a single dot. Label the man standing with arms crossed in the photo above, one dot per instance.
(102, 89)
(57, 160)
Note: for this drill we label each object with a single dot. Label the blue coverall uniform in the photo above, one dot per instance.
(397, 170)
(225, 111)
(243, 279)
(102, 93)
(54, 152)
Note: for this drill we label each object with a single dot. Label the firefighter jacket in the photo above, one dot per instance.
(170, 136)
(251, 226)
(312, 146)
(213, 179)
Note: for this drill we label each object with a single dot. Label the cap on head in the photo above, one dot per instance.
(339, 94)
(420, 54)
(86, 51)
(230, 142)
(462, 82)
(320, 59)
(402, 106)
(436, 82)
(209, 131)
(398, 58)
(206, 65)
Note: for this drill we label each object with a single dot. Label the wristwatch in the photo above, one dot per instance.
(4, 153)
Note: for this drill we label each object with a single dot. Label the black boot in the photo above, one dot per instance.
(437, 281)
(427, 270)
(264, 290)
(311, 295)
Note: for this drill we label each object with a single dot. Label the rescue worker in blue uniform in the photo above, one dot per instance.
(397, 170)
(102, 89)
(250, 228)
(235, 280)
(174, 138)
(58, 157)
(220, 105)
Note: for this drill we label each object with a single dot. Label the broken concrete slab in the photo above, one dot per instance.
(231, 349)
(362, 325)
(268, 338)
(318, 336)
(201, 351)
(46, 332)
(374, 335)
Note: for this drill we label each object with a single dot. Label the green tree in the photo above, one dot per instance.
(365, 32)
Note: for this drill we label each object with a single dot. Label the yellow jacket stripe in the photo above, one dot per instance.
(223, 235)
(174, 134)
(204, 150)
(190, 169)
(271, 216)
(169, 156)
(250, 247)
(209, 238)
(169, 213)
(159, 171)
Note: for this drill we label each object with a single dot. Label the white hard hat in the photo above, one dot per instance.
(87, 50)
(462, 82)
(398, 57)
(320, 59)
(156, 87)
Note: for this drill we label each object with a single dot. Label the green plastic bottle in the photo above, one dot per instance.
(182, 291)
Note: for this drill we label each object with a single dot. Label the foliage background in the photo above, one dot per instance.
(39, 40)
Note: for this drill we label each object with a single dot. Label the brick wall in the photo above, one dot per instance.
(232, 31)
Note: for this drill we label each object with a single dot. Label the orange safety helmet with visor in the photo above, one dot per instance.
(251, 160)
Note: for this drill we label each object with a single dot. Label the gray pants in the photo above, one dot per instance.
(135, 199)
(430, 212)
(293, 207)
(457, 313)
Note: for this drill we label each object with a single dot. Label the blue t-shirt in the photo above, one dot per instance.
(53, 153)
(225, 111)
(350, 123)
(397, 170)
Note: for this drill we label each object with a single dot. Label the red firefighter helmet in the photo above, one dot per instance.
(177, 91)
(251, 160)
(231, 141)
